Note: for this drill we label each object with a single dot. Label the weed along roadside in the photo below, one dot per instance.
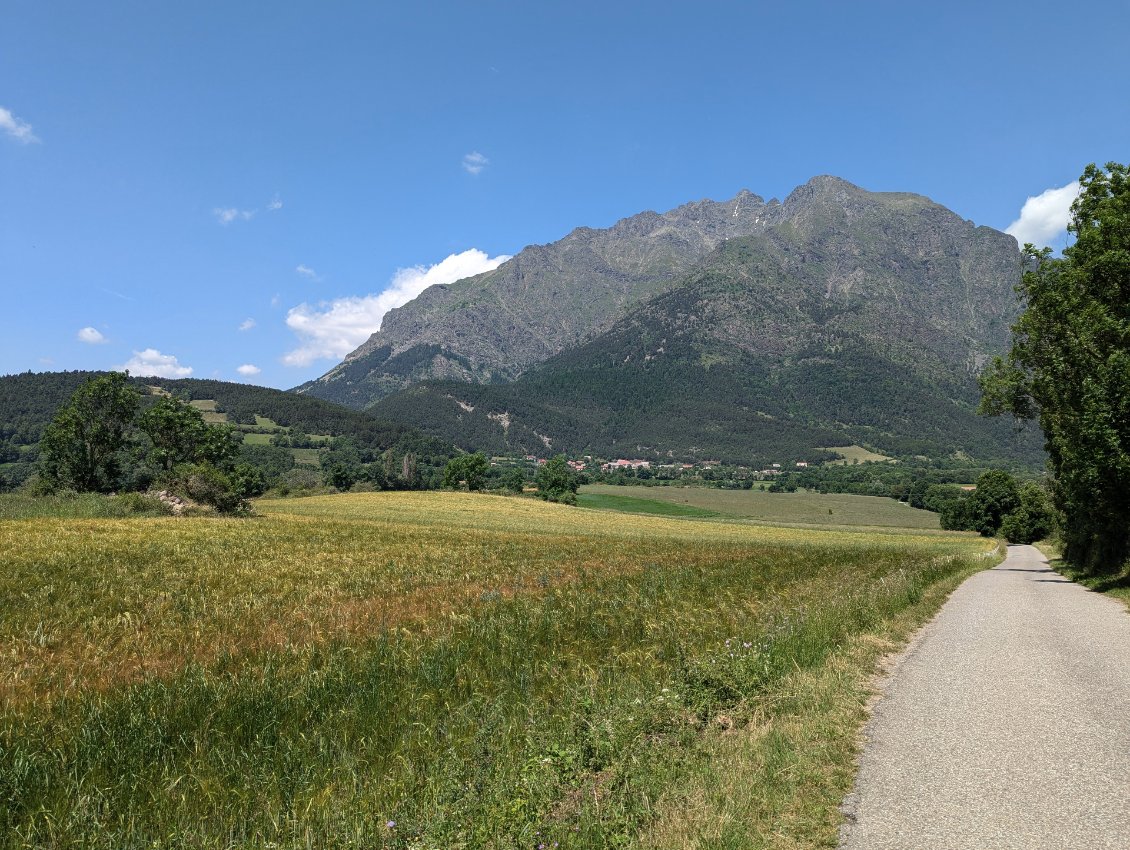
(444, 670)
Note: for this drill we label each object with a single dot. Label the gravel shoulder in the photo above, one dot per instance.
(1005, 724)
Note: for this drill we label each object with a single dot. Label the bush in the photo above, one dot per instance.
(1033, 520)
(300, 478)
(140, 503)
(203, 483)
(556, 482)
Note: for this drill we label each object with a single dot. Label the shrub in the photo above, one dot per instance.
(202, 482)
(556, 482)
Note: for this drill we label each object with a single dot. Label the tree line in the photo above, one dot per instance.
(1069, 370)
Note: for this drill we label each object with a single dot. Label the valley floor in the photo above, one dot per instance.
(441, 669)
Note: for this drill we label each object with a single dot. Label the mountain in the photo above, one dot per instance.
(839, 316)
(492, 327)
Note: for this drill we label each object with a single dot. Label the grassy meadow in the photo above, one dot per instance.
(438, 670)
(791, 509)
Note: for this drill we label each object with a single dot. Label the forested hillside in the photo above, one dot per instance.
(29, 400)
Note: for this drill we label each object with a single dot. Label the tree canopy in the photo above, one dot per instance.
(556, 481)
(470, 470)
(80, 448)
(1069, 368)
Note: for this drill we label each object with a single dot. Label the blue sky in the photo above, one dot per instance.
(178, 181)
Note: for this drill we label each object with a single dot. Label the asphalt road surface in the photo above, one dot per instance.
(1006, 724)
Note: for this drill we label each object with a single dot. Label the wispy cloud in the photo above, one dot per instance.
(248, 370)
(474, 162)
(333, 329)
(1044, 216)
(15, 128)
(226, 215)
(152, 362)
(115, 294)
(91, 336)
(247, 324)
(306, 271)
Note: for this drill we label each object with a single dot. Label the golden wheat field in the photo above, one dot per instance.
(464, 666)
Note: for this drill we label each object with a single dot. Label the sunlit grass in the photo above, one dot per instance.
(800, 508)
(482, 671)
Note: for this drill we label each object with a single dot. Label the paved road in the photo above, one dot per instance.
(1005, 725)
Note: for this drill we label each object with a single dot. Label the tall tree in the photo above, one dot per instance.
(180, 435)
(556, 481)
(1069, 367)
(80, 447)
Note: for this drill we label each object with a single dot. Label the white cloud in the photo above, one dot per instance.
(474, 162)
(1044, 216)
(247, 324)
(247, 370)
(152, 362)
(91, 336)
(274, 204)
(333, 329)
(226, 215)
(306, 271)
(19, 130)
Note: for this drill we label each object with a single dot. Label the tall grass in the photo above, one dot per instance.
(417, 671)
(80, 506)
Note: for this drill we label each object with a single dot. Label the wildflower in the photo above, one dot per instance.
(391, 824)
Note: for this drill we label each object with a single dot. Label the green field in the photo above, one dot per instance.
(834, 509)
(854, 454)
(306, 457)
(207, 408)
(422, 670)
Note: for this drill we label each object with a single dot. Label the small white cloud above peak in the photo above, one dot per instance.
(274, 204)
(15, 128)
(333, 329)
(91, 336)
(247, 324)
(152, 362)
(474, 162)
(226, 215)
(306, 271)
(248, 370)
(1044, 216)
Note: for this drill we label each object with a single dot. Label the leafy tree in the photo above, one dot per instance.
(81, 445)
(388, 467)
(556, 481)
(341, 476)
(1033, 519)
(467, 469)
(513, 480)
(179, 434)
(248, 479)
(409, 474)
(342, 464)
(997, 495)
(1069, 367)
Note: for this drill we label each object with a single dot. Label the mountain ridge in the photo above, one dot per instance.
(796, 311)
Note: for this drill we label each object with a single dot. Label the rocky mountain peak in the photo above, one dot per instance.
(851, 246)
